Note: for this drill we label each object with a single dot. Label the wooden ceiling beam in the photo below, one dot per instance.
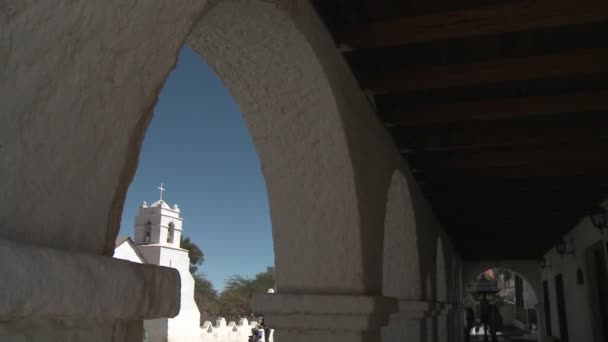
(501, 109)
(509, 17)
(566, 64)
(570, 153)
(505, 135)
(556, 186)
(548, 231)
(489, 249)
(488, 232)
(572, 201)
(513, 173)
(500, 215)
(534, 239)
(511, 204)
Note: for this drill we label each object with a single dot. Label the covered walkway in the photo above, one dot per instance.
(407, 146)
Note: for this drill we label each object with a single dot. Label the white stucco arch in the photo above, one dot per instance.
(80, 92)
(460, 284)
(267, 53)
(440, 273)
(442, 290)
(429, 288)
(430, 326)
(453, 288)
(528, 270)
(99, 89)
(528, 284)
(401, 274)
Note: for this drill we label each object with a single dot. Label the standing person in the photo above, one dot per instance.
(484, 315)
(266, 330)
(470, 322)
(254, 337)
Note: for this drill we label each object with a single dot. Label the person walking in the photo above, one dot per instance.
(266, 330)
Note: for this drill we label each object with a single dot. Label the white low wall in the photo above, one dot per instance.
(230, 332)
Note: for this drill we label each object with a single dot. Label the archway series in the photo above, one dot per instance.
(329, 168)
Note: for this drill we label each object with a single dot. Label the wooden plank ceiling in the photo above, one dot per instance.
(500, 108)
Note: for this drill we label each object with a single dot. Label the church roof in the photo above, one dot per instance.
(160, 203)
(122, 239)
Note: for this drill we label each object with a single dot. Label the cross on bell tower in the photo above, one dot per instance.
(161, 190)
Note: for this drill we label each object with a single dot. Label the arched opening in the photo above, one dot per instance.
(504, 300)
(441, 290)
(171, 233)
(106, 85)
(266, 64)
(400, 270)
(198, 145)
(148, 236)
(429, 322)
(400, 273)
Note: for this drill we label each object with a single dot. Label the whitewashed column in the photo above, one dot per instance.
(408, 323)
(325, 318)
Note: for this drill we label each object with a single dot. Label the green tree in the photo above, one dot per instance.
(206, 298)
(235, 300)
(196, 255)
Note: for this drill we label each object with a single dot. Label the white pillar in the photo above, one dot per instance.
(442, 314)
(408, 323)
(325, 318)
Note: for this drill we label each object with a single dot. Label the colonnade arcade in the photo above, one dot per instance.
(359, 253)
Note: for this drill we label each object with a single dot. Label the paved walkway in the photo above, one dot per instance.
(506, 339)
(513, 335)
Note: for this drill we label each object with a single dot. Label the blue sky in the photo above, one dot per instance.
(198, 146)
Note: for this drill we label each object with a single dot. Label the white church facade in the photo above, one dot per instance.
(157, 237)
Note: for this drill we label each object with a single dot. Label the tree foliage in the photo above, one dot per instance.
(197, 257)
(234, 301)
(205, 297)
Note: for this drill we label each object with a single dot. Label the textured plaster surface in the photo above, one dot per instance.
(31, 330)
(78, 81)
(80, 92)
(46, 283)
(340, 317)
(274, 75)
(401, 274)
(316, 136)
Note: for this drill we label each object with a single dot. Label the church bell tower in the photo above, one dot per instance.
(158, 224)
(158, 234)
